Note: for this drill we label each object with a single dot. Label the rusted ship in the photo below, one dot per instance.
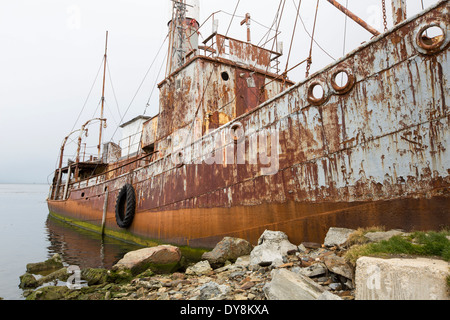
(237, 148)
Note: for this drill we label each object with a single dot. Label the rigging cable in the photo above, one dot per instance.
(309, 34)
(153, 88)
(210, 76)
(90, 91)
(278, 21)
(345, 39)
(293, 33)
(114, 91)
(271, 28)
(309, 62)
(139, 88)
(345, 30)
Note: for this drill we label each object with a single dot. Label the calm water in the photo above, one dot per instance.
(28, 234)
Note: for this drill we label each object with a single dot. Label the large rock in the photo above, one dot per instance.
(287, 285)
(54, 263)
(337, 236)
(272, 247)
(228, 249)
(161, 259)
(401, 279)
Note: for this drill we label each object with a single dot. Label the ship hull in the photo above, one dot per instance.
(373, 153)
(203, 228)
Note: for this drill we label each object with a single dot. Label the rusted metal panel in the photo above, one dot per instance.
(243, 52)
(149, 132)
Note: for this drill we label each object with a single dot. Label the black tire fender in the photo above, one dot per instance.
(125, 206)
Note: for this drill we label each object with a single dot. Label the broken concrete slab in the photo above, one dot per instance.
(401, 279)
(287, 285)
(337, 236)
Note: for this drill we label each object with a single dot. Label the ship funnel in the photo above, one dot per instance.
(183, 32)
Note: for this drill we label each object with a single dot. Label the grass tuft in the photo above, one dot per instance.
(417, 244)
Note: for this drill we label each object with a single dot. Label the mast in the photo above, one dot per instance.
(103, 98)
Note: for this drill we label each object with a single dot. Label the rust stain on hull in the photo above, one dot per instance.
(302, 222)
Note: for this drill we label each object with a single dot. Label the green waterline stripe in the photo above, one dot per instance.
(128, 237)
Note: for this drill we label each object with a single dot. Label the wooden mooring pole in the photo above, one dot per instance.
(105, 209)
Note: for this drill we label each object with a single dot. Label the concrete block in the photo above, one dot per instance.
(401, 279)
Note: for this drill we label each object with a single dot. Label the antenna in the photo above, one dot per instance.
(183, 37)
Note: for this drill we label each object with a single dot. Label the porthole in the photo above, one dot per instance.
(431, 38)
(316, 94)
(237, 132)
(225, 76)
(342, 81)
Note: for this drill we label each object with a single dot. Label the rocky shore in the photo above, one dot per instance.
(275, 269)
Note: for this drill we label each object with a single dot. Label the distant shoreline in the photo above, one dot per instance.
(24, 183)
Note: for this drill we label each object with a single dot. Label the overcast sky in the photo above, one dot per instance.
(52, 50)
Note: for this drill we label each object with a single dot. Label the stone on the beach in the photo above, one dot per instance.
(54, 263)
(313, 270)
(380, 236)
(199, 269)
(60, 274)
(339, 266)
(272, 247)
(27, 281)
(337, 236)
(228, 249)
(213, 291)
(161, 259)
(287, 285)
(50, 293)
(243, 261)
(94, 276)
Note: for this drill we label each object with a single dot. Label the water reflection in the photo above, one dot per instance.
(84, 248)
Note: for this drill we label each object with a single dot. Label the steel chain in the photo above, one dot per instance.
(384, 15)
